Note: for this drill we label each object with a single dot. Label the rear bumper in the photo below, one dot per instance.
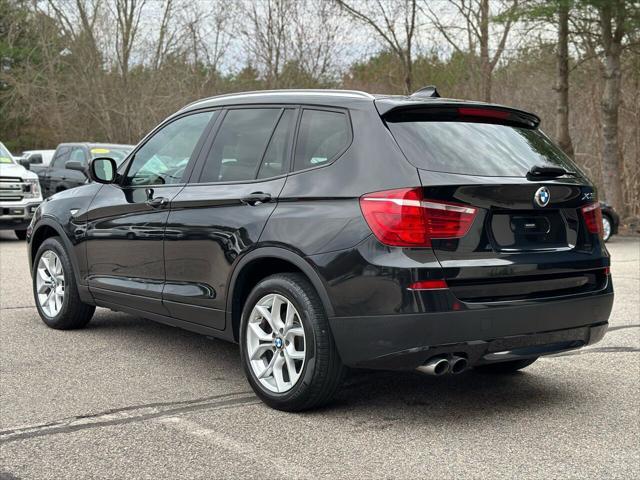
(484, 335)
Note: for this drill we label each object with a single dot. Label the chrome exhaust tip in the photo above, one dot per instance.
(458, 365)
(436, 366)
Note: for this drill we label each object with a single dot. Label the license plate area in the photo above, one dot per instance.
(531, 230)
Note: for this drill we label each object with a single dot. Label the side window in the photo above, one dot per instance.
(322, 136)
(77, 155)
(275, 159)
(164, 157)
(62, 155)
(239, 145)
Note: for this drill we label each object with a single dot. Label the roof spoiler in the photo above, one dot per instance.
(411, 108)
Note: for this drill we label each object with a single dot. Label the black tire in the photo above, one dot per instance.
(21, 234)
(607, 218)
(74, 313)
(506, 367)
(323, 371)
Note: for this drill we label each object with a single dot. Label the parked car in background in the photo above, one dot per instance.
(323, 229)
(20, 194)
(36, 157)
(610, 221)
(68, 168)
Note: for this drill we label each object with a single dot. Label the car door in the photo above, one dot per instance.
(126, 220)
(61, 157)
(65, 178)
(222, 211)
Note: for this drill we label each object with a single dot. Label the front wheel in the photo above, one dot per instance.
(287, 350)
(55, 289)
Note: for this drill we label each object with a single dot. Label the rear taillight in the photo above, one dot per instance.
(404, 218)
(593, 218)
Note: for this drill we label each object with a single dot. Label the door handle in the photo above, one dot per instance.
(158, 202)
(155, 202)
(256, 198)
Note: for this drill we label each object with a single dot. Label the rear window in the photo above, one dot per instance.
(472, 148)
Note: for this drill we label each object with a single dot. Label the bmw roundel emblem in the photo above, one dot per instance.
(278, 342)
(542, 196)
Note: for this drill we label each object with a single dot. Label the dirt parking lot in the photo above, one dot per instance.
(129, 398)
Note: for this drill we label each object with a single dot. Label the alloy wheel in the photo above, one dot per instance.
(606, 228)
(276, 343)
(50, 283)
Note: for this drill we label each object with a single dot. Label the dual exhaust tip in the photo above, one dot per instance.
(441, 365)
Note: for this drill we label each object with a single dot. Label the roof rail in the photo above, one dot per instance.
(430, 91)
(284, 92)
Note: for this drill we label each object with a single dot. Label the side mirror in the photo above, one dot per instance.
(74, 165)
(25, 163)
(103, 170)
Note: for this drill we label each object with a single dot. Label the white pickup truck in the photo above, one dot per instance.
(20, 194)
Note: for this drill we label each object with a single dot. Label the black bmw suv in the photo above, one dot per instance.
(330, 229)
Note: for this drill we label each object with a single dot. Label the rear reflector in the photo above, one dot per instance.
(404, 218)
(593, 218)
(428, 285)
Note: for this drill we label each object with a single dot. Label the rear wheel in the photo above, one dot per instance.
(21, 234)
(506, 367)
(55, 289)
(287, 350)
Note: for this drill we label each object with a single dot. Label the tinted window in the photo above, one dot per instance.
(239, 145)
(476, 148)
(323, 135)
(275, 158)
(117, 153)
(62, 155)
(164, 157)
(77, 155)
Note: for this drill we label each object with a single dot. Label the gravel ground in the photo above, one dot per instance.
(128, 398)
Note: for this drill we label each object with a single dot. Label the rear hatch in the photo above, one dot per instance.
(535, 225)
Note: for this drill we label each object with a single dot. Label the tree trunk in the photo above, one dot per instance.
(485, 63)
(611, 165)
(408, 74)
(562, 81)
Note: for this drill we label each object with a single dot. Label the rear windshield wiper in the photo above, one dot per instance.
(538, 171)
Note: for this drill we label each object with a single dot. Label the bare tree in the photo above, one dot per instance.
(316, 48)
(612, 16)
(127, 13)
(267, 38)
(165, 35)
(471, 24)
(395, 23)
(563, 136)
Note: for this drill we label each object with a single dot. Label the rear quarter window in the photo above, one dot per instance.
(322, 136)
(472, 148)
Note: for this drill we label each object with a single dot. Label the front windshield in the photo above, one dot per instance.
(5, 155)
(117, 153)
